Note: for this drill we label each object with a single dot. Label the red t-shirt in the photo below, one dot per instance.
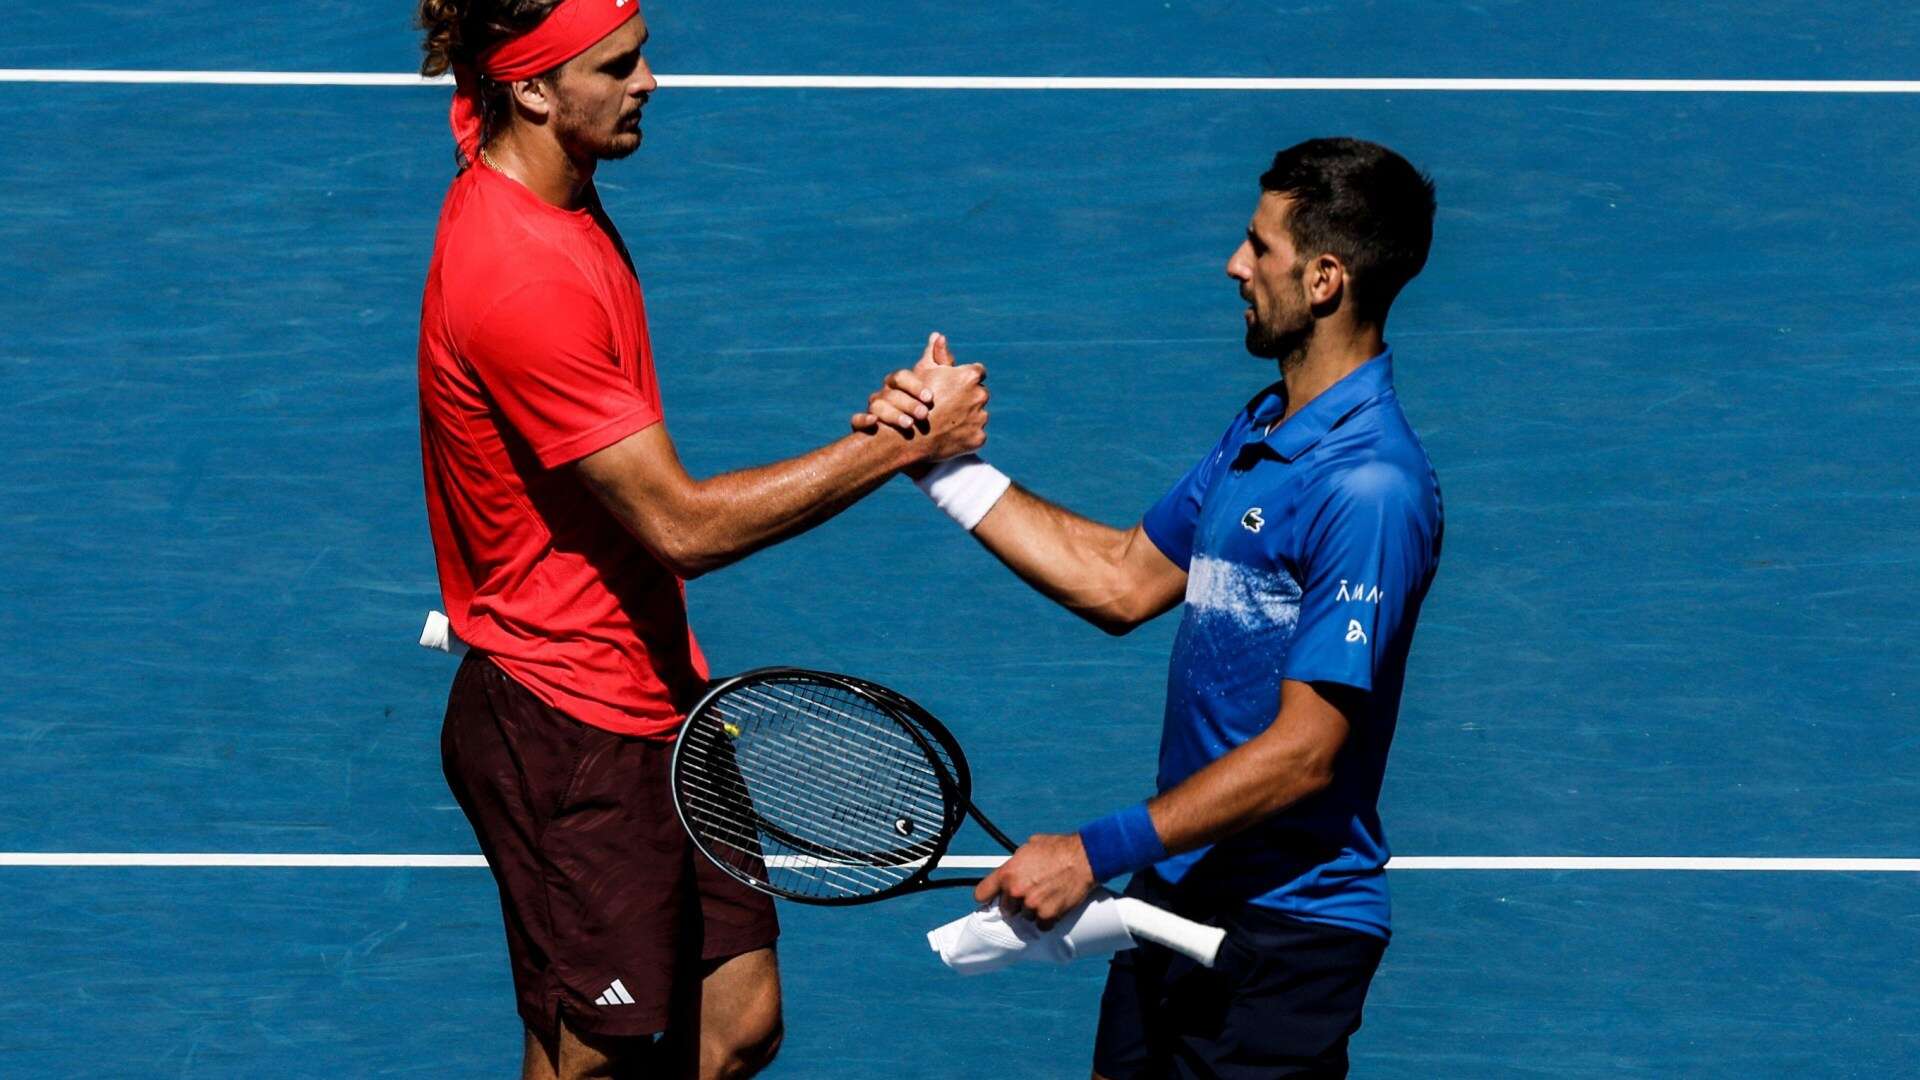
(533, 355)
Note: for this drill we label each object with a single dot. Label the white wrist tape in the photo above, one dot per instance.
(965, 487)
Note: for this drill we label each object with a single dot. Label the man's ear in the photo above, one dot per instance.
(1325, 280)
(532, 96)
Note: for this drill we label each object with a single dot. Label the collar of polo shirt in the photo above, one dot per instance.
(1304, 430)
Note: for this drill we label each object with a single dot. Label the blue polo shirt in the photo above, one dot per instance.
(1308, 551)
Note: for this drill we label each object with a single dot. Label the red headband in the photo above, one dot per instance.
(570, 29)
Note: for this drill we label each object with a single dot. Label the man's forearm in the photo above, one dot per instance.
(694, 526)
(704, 525)
(1073, 561)
(1290, 761)
(1240, 790)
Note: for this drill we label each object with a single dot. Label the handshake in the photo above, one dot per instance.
(938, 408)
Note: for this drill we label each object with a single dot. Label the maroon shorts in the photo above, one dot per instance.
(610, 911)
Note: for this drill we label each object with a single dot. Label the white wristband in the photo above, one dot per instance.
(965, 487)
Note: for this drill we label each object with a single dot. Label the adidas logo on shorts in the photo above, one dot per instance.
(615, 995)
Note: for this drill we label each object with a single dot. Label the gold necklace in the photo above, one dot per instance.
(490, 163)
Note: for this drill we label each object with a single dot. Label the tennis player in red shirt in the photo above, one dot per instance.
(564, 528)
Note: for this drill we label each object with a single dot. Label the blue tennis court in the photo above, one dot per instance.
(1663, 357)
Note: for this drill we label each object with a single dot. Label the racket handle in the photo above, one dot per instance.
(438, 634)
(1196, 941)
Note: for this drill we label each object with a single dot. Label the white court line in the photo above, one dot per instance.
(976, 862)
(1719, 863)
(1010, 82)
(234, 858)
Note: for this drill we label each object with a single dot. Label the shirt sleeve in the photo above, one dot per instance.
(546, 354)
(1368, 558)
(1170, 522)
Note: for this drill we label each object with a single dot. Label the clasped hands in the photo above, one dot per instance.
(935, 402)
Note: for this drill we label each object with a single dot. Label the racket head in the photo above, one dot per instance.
(939, 739)
(818, 787)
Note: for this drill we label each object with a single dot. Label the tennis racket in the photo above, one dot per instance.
(827, 789)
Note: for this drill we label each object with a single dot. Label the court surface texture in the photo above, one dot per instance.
(1664, 359)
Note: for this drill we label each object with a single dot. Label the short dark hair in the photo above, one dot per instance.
(1363, 203)
(459, 32)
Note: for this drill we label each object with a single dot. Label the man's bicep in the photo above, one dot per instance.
(1154, 581)
(1316, 716)
(641, 481)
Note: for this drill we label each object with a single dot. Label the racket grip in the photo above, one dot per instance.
(1196, 941)
(438, 634)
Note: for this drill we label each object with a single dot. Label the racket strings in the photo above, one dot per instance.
(727, 815)
(911, 713)
(912, 776)
(828, 858)
(722, 816)
(883, 751)
(836, 743)
(805, 797)
(814, 789)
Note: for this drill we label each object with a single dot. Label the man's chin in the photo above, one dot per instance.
(1267, 345)
(620, 147)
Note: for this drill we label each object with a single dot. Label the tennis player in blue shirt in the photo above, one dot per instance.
(1302, 545)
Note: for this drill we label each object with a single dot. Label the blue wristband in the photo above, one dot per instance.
(1122, 842)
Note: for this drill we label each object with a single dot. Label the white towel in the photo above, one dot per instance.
(438, 634)
(989, 940)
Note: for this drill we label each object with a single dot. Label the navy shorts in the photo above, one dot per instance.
(1285, 1009)
(612, 917)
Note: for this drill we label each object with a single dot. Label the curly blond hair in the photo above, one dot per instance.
(461, 31)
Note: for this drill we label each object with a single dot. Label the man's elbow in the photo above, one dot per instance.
(1313, 775)
(688, 569)
(1299, 774)
(679, 545)
(686, 559)
(1117, 617)
(666, 515)
(1317, 778)
(1127, 597)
